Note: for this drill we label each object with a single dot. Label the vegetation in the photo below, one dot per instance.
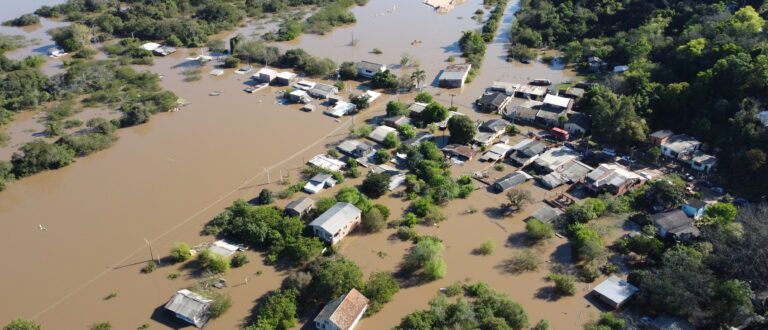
(266, 196)
(101, 326)
(490, 310)
(390, 141)
(536, 230)
(564, 284)
(278, 311)
(462, 129)
(607, 321)
(486, 248)
(395, 108)
(525, 261)
(213, 262)
(180, 252)
(265, 227)
(376, 185)
(23, 20)
(373, 220)
(239, 259)
(385, 80)
(255, 50)
(21, 324)
(424, 257)
(379, 289)
(220, 304)
(516, 199)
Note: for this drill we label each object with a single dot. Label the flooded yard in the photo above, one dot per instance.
(162, 181)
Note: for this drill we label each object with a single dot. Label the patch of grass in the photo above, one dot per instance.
(486, 248)
(498, 167)
(150, 267)
(377, 51)
(173, 276)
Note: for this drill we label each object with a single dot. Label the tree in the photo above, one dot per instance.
(423, 97)
(231, 62)
(382, 156)
(38, 156)
(654, 153)
(564, 284)
(216, 46)
(220, 304)
(379, 289)
(266, 196)
(425, 250)
(297, 280)
(525, 261)
(587, 243)
(214, 262)
(348, 71)
(180, 252)
(277, 312)
(332, 277)
(536, 230)
(516, 199)
(395, 108)
(434, 112)
(418, 76)
(390, 141)
(406, 131)
(21, 324)
(435, 269)
(360, 101)
(607, 321)
(462, 129)
(239, 259)
(722, 213)
(732, 302)
(580, 213)
(384, 79)
(373, 221)
(756, 159)
(542, 325)
(71, 38)
(376, 185)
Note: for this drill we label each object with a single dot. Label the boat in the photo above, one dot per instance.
(256, 88)
(541, 82)
(244, 70)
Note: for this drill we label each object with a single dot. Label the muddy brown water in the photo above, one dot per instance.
(164, 180)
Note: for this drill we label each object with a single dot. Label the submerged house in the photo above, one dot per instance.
(323, 91)
(355, 148)
(285, 78)
(416, 108)
(492, 102)
(510, 181)
(190, 307)
(458, 153)
(224, 248)
(578, 123)
(326, 162)
(381, 132)
(526, 152)
(265, 75)
(454, 76)
(368, 69)
(319, 182)
(675, 225)
(342, 313)
(299, 207)
(335, 223)
(614, 292)
(547, 214)
(613, 178)
(497, 152)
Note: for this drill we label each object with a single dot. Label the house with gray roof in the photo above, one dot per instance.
(190, 307)
(419, 138)
(492, 102)
(528, 153)
(299, 207)
(613, 178)
(355, 148)
(342, 313)
(335, 223)
(368, 69)
(546, 214)
(678, 146)
(675, 224)
(497, 152)
(454, 75)
(555, 159)
(510, 181)
(381, 132)
(578, 123)
(417, 108)
(323, 91)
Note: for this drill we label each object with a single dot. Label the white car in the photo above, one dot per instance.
(646, 175)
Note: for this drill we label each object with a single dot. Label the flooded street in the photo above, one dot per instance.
(163, 180)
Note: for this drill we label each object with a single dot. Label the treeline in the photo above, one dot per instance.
(105, 83)
(331, 14)
(696, 67)
(473, 44)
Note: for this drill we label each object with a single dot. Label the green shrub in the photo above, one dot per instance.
(231, 62)
(220, 304)
(239, 259)
(564, 284)
(486, 248)
(180, 252)
(537, 230)
(406, 233)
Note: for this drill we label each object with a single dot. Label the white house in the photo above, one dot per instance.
(190, 307)
(368, 69)
(319, 182)
(340, 109)
(679, 145)
(379, 133)
(614, 292)
(326, 162)
(343, 313)
(558, 102)
(333, 225)
(265, 75)
(224, 248)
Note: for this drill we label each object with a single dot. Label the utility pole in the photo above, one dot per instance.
(452, 95)
(269, 181)
(151, 253)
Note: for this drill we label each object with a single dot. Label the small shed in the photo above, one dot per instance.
(510, 181)
(614, 292)
(190, 307)
(299, 207)
(416, 108)
(323, 91)
(299, 96)
(326, 162)
(224, 248)
(340, 109)
(396, 121)
(694, 208)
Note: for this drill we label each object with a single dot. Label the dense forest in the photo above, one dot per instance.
(696, 67)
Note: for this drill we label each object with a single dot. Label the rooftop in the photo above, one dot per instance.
(335, 218)
(675, 222)
(460, 150)
(680, 143)
(556, 157)
(455, 72)
(286, 75)
(417, 107)
(326, 162)
(611, 174)
(300, 205)
(496, 99)
(696, 203)
(494, 125)
(580, 119)
(661, 134)
(223, 248)
(558, 101)
(369, 66)
(380, 132)
(511, 180)
(575, 91)
(190, 305)
(343, 312)
(546, 214)
(532, 90)
(615, 289)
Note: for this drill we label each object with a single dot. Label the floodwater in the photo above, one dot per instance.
(164, 180)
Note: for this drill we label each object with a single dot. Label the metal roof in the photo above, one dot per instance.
(335, 218)
(223, 248)
(379, 133)
(344, 311)
(300, 205)
(615, 289)
(191, 306)
(557, 101)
